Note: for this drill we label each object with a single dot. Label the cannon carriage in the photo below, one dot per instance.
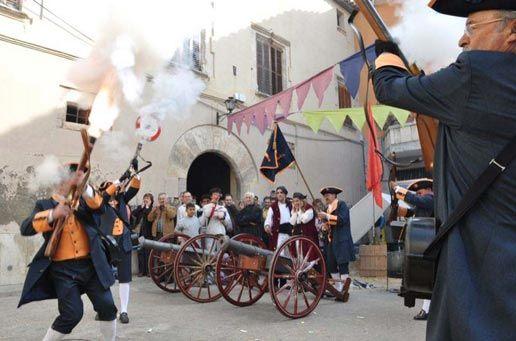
(242, 270)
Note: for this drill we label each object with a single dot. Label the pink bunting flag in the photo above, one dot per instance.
(247, 117)
(238, 122)
(284, 100)
(302, 91)
(270, 110)
(230, 125)
(259, 117)
(321, 83)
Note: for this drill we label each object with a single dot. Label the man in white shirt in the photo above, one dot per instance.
(277, 224)
(186, 197)
(215, 218)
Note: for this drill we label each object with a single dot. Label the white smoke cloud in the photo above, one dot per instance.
(135, 41)
(427, 37)
(115, 145)
(47, 174)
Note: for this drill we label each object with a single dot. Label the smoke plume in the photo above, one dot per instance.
(427, 37)
(136, 43)
(47, 174)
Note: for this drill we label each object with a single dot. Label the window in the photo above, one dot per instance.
(74, 114)
(344, 96)
(269, 66)
(13, 4)
(411, 173)
(190, 54)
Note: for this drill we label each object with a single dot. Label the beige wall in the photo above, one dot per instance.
(36, 57)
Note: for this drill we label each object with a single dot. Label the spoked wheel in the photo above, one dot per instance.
(299, 266)
(161, 263)
(195, 267)
(239, 278)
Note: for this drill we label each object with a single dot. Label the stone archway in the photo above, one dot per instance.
(210, 138)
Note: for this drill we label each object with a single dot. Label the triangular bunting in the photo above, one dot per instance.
(381, 113)
(301, 92)
(321, 83)
(238, 122)
(400, 114)
(230, 125)
(314, 120)
(337, 120)
(285, 100)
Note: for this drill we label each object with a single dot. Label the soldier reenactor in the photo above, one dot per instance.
(78, 266)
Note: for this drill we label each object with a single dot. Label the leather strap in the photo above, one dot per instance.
(480, 185)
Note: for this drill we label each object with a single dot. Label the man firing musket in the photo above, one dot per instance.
(474, 100)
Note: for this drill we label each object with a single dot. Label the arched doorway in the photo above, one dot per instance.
(209, 170)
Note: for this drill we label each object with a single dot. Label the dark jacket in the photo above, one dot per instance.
(140, 218)
(109, 215)
(38, 286)
(424, 204)
(475, 101)
(249, 220)
(340, 235)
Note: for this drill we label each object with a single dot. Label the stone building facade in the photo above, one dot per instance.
(34, 102)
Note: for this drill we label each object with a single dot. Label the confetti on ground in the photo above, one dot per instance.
(243, 331)
(360, 317)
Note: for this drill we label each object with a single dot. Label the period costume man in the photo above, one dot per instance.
(474, 100)
(116, 221)
(79, 265)
(420, 195)
(277, 224)
(340, 250)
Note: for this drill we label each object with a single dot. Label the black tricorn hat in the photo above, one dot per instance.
(421, 184)
(299, 196)
(463, 8)
(331, 190)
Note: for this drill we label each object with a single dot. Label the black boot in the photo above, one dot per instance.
(421, 316)
(124, 318)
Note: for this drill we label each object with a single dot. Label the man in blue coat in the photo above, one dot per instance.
(340, 250)
(474, 100)
(79, 265)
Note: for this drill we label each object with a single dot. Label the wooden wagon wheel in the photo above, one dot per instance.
(300, 264)
(238, 283)
(161, 263)
(194, 268)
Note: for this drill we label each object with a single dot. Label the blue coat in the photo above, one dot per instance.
(108, 217)
(38, 286)
(474, 99)
(341, 240)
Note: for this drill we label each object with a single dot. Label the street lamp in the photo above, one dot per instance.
(230, 103)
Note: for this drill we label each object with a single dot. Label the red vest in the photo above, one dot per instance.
(276, 216)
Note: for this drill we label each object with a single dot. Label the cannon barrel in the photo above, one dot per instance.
(244, 249)
(159, 246)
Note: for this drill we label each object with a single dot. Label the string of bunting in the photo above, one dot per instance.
(263, 114)
(314, 119)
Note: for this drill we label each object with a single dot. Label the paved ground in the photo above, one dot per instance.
(371, 314)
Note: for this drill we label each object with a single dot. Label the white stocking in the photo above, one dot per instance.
(53, 335)
(108, 330)
(426, 306)
(337, 285)
(123, 289)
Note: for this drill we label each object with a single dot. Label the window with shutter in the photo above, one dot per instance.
(269, 67)
(190, 54)
(344, 97)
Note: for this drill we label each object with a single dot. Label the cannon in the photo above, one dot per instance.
(294, 275)
(179, 263)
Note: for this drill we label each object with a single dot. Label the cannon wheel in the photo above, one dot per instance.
(302, 270)
(161, 263)
(240, 287)
(194, 268)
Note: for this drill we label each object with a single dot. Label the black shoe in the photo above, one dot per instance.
(124, 318)
(421, 316)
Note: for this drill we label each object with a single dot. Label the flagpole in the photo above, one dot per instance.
(306, 183)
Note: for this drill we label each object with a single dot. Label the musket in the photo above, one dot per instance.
(426, 126)
(74, 193)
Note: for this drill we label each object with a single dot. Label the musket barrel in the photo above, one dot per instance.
(159, 246)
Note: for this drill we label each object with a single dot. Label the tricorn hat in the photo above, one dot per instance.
(331, 190)
(299, 196)
(463, 8)
(421, 184)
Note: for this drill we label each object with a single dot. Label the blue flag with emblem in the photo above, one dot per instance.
(278, 155)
